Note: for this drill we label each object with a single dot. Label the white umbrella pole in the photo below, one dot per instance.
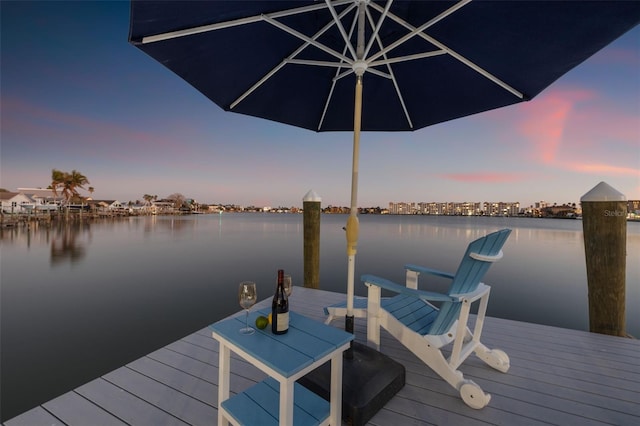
(352, 222)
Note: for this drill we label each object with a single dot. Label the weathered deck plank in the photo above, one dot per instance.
(71, 408)
(127, 406)
(35, 417)
(557, 376)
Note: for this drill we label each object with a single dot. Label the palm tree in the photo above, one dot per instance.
(69, 183)
(76, 180)
(57, 179)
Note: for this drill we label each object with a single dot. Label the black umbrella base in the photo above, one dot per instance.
(369, 380)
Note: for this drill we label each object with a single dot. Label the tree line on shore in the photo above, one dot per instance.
(67, 186)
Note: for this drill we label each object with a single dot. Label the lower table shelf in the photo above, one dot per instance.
(259, 405)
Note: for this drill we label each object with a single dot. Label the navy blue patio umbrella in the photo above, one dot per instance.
(369, 65)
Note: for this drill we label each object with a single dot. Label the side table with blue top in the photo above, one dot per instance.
(284, 358)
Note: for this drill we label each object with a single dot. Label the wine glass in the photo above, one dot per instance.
(288, 285)
(247, 296)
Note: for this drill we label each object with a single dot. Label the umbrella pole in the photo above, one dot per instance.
(352, 222)
(370, 379)
(359, 68)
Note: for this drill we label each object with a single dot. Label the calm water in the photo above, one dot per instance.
(78, 301)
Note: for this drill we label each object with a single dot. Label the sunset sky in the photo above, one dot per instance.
(76, 95)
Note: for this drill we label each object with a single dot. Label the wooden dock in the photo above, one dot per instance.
(557, 377)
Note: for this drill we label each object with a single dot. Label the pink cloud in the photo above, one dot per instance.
(52, 127)
(604, 169)
(598, 125)
(484, 177)
(544, 121)
(580, 131)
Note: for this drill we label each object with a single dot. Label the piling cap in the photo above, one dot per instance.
(311, 196)
(603, 192)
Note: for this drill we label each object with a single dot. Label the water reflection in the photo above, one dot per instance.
(156, 279)
(67, 244)
(32, 232)
(174, 224)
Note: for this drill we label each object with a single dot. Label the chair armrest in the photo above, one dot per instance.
(425, 270)
(397, 288)
(474, 295)
(487, 257)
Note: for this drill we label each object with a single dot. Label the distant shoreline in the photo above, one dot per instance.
(47, 218)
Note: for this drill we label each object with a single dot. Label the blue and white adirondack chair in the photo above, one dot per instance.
(425, 329)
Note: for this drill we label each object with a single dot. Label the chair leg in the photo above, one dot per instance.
(373, 316)
(339, 310)
(494, 358)
(432, 356)
(333, 313)
(470, 392)
(473, 396)
(438, 363)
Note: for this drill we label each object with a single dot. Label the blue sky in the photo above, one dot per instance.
(76, 95)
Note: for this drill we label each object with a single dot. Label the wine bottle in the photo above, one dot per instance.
(280, 307)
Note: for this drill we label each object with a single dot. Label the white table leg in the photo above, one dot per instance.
(224, 371)
(335, 410)
(286, 402)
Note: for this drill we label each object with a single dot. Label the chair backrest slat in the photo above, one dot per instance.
(469, 275)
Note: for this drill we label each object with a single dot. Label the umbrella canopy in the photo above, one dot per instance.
(352, 65)
(426, 61)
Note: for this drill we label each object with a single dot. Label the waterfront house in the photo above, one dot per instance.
(43, 197)
(162, 207)
(106, 205)
(15, 202)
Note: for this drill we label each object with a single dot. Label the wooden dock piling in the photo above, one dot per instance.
(604, 224)
(311, 236)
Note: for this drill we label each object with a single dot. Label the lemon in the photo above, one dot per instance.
(262, 322)
(269, 318)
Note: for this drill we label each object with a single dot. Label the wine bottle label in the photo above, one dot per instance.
(283, 321)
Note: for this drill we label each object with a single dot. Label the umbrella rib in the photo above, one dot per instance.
(326, 104)
(476, 68)
(414, 31)
(318, 63)
(236, 22)
(369, 69)
(379, 73)
(467, 62)
(306, 39)
(338, 75)
(340, 27)
(376, 31)
(342, 75)
(376, 37)
(258, 84)
(387, 61)
(284, 62)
